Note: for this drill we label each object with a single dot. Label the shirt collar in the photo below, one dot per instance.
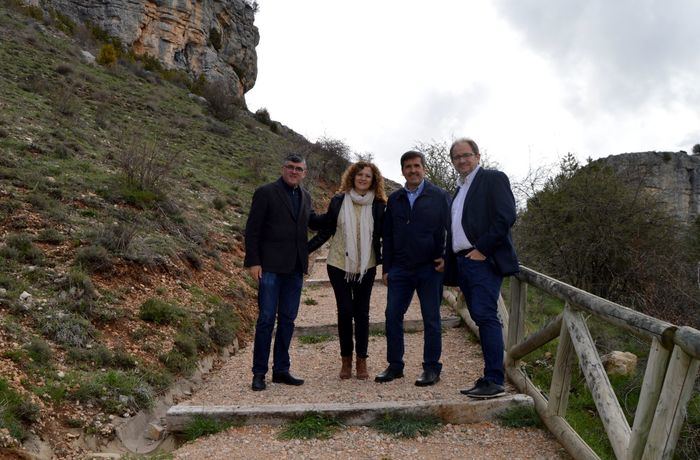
(468, 178)
(288, 187)
(418, 190)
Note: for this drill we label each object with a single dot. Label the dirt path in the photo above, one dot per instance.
(319, 363)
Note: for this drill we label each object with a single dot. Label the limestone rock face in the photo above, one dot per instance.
(674, 177)
(214, 38)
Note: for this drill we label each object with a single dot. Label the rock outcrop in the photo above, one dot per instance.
(674, 177)
(214, 38)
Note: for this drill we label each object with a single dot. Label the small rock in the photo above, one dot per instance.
(25, 297)
(87, 57)
(3, 292)
(154, 432)
(619, 362)
(61, 374)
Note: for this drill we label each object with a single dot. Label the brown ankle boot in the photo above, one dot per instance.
(362, 369)
(346, 370)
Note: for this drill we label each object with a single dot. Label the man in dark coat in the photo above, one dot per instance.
(416, 222)
(480, 250)
(277, 258)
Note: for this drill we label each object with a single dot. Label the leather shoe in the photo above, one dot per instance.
(388, 375)
(286, 378)
(258, 382)
(427, 378)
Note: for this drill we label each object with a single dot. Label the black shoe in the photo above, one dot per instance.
(427, 378)
(485, 389)
(286, 378)
(258, 382)
(388, 375)
(479, 382)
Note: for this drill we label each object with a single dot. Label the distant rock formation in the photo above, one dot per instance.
(214, 38)
(672, 176)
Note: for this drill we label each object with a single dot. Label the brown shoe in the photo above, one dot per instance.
(346, 370)
(362, 369)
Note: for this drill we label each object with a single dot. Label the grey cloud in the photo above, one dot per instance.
(625, 53)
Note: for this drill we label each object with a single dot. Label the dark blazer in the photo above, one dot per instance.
(327, 223)
(274, 237)
(487, 217)
(415, 236)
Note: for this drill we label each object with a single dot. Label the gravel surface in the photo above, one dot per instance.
(319, 364)
(475, 441)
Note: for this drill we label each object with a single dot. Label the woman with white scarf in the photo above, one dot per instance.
(354, 224)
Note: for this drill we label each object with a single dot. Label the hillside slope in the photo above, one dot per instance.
(122, 204)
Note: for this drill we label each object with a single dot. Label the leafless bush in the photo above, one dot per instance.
(145, 163)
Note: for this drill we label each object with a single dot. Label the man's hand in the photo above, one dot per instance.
(385, 279)
(475, 255)
(256, 272)
(439, 264)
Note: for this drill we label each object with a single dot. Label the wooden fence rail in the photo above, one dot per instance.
(672, 368)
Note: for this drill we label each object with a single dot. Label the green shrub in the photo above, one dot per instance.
(15, 411)
(223, 102)
(519, 417)
(312, 426)
(177, 362)
(263, 116)
(204, 426)
(225, 324)
(116, 238)
(115, 391)
(160, 312)
(21, 248)
(95, 259)
(50, 236)
(107, 55)
(39, 351)
(406, 426)
(67, 329)
(219, 203)
(185, 344)
(312, 339)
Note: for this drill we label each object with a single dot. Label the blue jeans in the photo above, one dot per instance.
(402, 284)
(278, 297)
(481, 285)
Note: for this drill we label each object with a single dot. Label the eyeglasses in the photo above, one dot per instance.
(463, 156)
(298, 169)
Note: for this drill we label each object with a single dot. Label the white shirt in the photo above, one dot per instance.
(459, 238)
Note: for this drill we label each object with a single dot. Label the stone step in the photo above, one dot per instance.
(327, 282)
(449, 411)
(409, 325)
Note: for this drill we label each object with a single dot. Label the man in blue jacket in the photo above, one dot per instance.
(416, 222)
(480, 250)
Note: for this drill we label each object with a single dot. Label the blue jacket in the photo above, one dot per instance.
(415, 236)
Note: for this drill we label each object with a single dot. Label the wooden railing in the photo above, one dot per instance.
(672, 367)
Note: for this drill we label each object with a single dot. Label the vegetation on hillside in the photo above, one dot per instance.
(124, 189)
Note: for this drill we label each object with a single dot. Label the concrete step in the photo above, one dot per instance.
(409, 325)
(449, 411)
(327, 282)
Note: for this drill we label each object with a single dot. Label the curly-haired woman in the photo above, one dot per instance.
(354, 221)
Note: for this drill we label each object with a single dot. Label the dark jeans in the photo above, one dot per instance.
(481, 285)
(402, 284)
(278, 297)
(352, 299)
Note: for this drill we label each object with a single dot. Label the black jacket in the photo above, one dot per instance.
(274, 237)
(487, 217)
(415, 236)
(327, 223)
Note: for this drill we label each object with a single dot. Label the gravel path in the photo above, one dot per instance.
(319, 364)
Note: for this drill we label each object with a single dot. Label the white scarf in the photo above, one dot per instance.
(357, 262)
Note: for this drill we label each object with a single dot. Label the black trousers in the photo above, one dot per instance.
(352, 299)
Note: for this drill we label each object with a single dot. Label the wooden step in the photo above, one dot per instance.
(449, 411)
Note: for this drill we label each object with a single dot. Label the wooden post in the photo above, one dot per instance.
(533, 341)
(558, 426)
(609, 409)
(518, 301)
(648, 398)
(505, 321)
(561, 375)
(673, 405)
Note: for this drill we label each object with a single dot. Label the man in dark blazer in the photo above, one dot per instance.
(276, 255)
(481, 253)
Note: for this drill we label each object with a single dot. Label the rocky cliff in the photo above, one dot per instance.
(214, 38)
(672, 176)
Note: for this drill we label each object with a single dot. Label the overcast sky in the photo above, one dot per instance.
(529, 80)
